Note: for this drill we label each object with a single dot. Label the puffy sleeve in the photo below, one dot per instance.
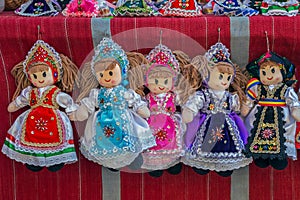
(235, 103)
(23, 99)
(195, 102)
(65, 101)
(91, 101)
(291, 98)
(134, 100)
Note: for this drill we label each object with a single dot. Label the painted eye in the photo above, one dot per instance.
(220, 76)
(101, 75)
(166, 81)
(44, 74)
(228, 78)
(273, 70)
(35, 76)
(264, 73)
(156, 81)
(110, 73)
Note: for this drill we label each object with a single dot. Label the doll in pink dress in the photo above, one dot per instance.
(42, 136)
(165, 124)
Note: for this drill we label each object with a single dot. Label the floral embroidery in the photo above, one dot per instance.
(109, 131)
(161, 134)
(217, 135)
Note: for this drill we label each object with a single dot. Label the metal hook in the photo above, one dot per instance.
(268, 44)
(219, 34)
(39, 33)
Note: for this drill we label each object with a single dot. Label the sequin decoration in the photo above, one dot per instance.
(217, 135)
(41, 124)
(109, 131)
(161, 134)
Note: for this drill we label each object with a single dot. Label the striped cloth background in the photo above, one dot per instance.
(84, 180)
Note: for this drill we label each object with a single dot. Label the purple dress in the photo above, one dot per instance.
(216, 137)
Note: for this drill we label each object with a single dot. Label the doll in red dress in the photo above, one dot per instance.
(42, 136)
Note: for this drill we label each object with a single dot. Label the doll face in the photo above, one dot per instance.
(109, 77)
(160, 85)
(220, 79)
(270, 73)
(41, 76)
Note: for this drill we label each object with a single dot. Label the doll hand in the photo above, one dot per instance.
(245, 108)
(144, 112)
(80, 114)
(187, 115)
(295, 112)
(12, 107)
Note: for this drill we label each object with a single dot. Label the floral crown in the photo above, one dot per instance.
(218, 53)
(41, 52)
(107, 48)
(163, 56)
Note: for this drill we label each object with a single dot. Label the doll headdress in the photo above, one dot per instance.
(286, 67)
(41, 52)
(107, 48)
(218, 53)
(161, 55)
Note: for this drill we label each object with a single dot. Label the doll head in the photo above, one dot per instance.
(109, 64)
(220, 69)
(163, 70)
(271, 69)
(43, 65)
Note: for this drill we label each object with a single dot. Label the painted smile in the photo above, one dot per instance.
(41, 81)
(270, 78)
(161, 88)
(107, 80)
(224, 84)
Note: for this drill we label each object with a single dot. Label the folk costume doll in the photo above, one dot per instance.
(231, 8)
(276, 7)
(134, 8)
(161, 78)
(274, 110)
(181, 8)
(42, 136)
(216, 136)
(114, 134)
(88, 8)
(35, 8)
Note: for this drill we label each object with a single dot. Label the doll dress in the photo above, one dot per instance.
(272, 127)
(33, 8)
(216, 137)
(114, 135)
(181, 8)
(42, 135)
(168, 130)
(134, 8)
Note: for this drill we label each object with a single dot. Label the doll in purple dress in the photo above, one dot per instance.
(216, 135)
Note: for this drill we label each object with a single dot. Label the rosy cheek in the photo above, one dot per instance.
(113, 81)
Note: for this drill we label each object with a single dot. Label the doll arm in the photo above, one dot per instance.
(21, 101)
(192, 106)
(87, 106)
(292, 102)
(136, 103)
(251, 93)
(235, 103)
(65, 101)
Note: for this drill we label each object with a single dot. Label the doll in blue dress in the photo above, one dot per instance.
(114, 134)
(35, 8)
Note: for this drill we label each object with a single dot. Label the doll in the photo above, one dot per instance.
(274, 107)
(114, 135)
(216, 135)
(231, 8)
(276, 7)
(42, 136)
(166, 126)
(34, 8)
(181, 8)
(134, 8)
(88, 8)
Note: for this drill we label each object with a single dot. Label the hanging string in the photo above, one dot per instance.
(268, 45)
(160, 37)
(39, 33)
(219, 34)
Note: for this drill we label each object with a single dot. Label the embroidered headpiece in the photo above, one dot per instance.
(107, 48)
(218, 53)
(286, 67)
(41, 52)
